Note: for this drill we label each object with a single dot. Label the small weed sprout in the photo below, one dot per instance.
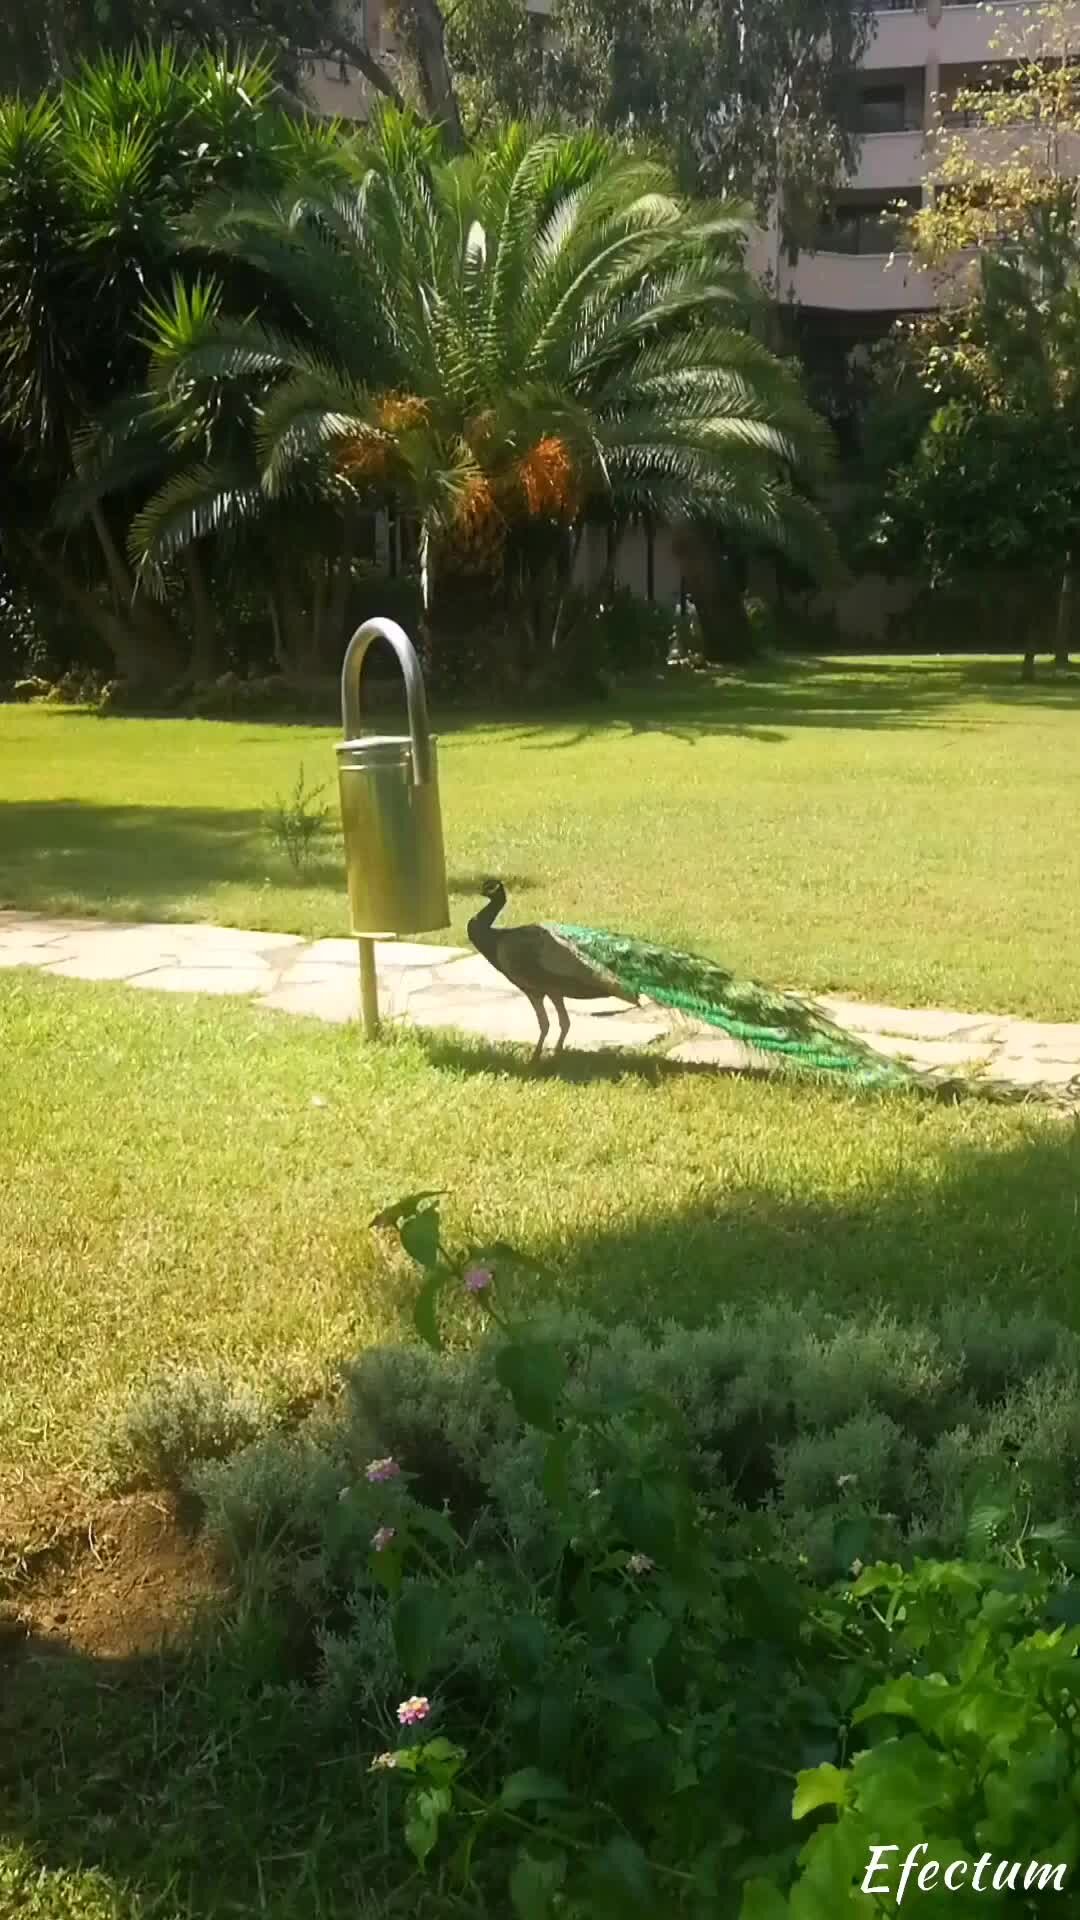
(295, 823)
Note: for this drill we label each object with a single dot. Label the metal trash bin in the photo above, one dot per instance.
(389, 787)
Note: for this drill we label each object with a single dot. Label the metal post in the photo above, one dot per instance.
(369, 989)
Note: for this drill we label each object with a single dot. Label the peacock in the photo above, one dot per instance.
(561, 963)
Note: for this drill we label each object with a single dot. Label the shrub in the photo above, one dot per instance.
(609, 1683)
(177, 1421)
(789, 1411)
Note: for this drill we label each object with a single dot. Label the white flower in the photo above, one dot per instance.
(640, 1563)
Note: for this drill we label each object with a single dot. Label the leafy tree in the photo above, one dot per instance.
(506, 344)
(747, 96)
(91, 184)
(41, 45)
(994, 483)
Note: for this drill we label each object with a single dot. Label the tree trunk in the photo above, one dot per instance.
(313, 654)
(727, 637)
(1063, 634)
(158, 657)
(204, 650)
(339, 596)
(290, 620)
(423, 21)
(275, 629)
(117, 631)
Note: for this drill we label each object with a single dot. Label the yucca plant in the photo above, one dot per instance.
(505, 344)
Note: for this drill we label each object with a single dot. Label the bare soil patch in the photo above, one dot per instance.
(113, 1579)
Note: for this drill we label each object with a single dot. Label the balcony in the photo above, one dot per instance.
(900, 36)
(972, 35)
(992, 148)
(848, 282)
(889, 161)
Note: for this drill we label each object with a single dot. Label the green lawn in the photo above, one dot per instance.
(172, 1194)
(900, 830)
(190, 1182)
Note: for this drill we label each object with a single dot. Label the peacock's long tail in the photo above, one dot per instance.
(769, 1022)
(781, 1023)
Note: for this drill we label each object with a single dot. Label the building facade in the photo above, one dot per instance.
(921, 54)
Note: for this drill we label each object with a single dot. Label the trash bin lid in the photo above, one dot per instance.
(376, 750)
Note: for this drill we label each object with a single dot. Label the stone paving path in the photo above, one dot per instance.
(445, 987)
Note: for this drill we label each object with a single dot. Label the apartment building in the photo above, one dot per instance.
(850, 286)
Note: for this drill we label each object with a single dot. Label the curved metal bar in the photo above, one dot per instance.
(355, 654)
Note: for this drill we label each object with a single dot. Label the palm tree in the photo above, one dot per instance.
(506, 344)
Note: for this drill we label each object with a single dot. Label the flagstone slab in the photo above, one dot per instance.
(330, 953)
(403, 955)
(11, 957)
(929, 1053)
(916, 1023)
(336, 998)
(206, 939)
(113, 964)
(242, 980)
(42, 933)
(40, 929)
(1031, 1070)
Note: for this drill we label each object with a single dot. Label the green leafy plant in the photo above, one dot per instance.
(968, 1753)
(296, 823)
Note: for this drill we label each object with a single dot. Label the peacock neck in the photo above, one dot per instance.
(481, 928)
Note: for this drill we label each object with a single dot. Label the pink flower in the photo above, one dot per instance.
(478, 1279)
(382, 1537)
(377, 1471)
(412, 1711)
(640, 1563)
(382, 1760)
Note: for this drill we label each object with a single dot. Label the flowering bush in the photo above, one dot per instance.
(588, 1682)
(660, 1697)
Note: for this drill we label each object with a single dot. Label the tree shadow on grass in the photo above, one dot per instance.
(135, 861)
(767, 704)
(201, 1784)
(762, 703)
(999, 1222)
(141, 862)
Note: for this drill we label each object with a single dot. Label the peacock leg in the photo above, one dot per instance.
(564, 1023)
(543, 1023)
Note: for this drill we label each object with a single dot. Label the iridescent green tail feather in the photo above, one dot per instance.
(769, 1022)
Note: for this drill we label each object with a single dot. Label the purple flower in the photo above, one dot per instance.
(412, 1711)
(382, 1537)
(378, 1471)
(478, 1279)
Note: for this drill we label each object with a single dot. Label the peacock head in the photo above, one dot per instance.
(493, 889)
